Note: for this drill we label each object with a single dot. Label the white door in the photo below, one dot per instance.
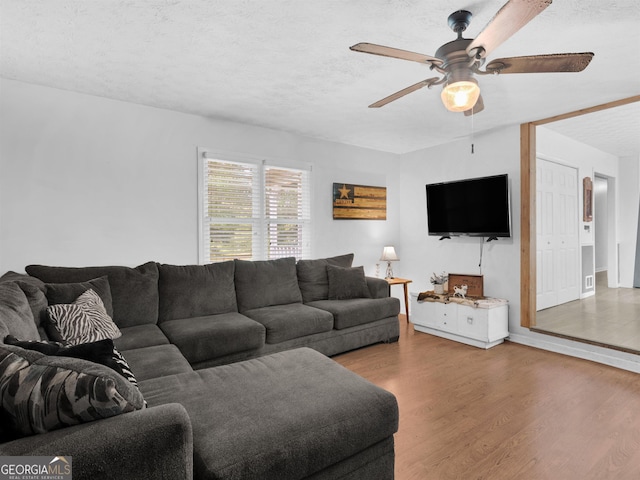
(557, 247)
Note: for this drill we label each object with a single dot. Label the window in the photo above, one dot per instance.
(252, 211)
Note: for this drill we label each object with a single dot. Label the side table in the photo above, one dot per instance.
(405, 282)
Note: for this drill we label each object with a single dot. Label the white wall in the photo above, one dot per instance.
(495, 153)
(600, 227)
(92, 181)
(628, 217)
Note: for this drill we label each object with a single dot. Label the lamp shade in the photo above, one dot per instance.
(389, 254)
(460, 96)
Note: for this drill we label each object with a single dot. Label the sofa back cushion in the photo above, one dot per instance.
(16, 317)
(134, 291)
(34, 290)
(313, 279)
(264, 283)
(188, 291)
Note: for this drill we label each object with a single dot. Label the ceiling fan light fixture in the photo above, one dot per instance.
(460, 96)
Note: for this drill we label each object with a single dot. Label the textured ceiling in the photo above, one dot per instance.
(616, 130)
(285, 64)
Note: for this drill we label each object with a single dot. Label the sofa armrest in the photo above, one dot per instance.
(152, 443)
(378, 287)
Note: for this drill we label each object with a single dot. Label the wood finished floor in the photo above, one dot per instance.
(611, 317)
(511, 412)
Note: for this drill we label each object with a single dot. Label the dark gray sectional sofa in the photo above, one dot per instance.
(230, 358)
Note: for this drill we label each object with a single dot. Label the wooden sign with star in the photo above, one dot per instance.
(359, 202)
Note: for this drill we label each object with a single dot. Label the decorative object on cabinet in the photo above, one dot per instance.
(359, 202)
(460, 291)
(587, 194)
(474, 283)
(438, 281)
(389, 255)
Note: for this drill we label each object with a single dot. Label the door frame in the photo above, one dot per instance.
(528, 206)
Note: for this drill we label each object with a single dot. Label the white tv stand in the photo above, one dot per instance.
(483, 323)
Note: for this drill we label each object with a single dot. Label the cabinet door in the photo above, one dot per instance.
(473, 322)
(423, 313)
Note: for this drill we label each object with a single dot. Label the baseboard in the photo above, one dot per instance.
(622, 360)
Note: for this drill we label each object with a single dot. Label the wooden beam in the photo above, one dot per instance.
(527, 225)
(584, 111)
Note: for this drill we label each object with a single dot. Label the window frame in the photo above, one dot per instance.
(260, 250)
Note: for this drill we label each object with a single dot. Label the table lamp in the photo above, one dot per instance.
(389, 255)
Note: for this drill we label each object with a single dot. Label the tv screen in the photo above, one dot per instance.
(476, 207)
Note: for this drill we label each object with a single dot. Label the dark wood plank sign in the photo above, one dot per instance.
(359, 202)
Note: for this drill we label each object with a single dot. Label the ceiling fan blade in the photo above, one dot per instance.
(513, 15)
(557, 62)
(395, 53)
(403, 92)
(477, 108)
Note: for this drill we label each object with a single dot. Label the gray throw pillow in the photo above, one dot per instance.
(67, 292)
(312, 276)
(346, 283)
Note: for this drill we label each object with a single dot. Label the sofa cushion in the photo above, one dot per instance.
(196, 290)
(312, 276)
(269, 410)
(65, 293)
(40, 393)
(212, 336)
(265, 283)
(357, 311)
(284, 322)
(34, 289)
(346, 283)
(16, 316)
(134, 291)
(157, 361)
(140, 336)
(83, 321)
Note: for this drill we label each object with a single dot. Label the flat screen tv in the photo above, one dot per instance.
(476, 207)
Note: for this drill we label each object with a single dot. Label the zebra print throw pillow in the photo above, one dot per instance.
(40, 393)
(83, 321)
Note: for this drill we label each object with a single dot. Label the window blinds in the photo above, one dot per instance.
(254, 211)
(287, 212)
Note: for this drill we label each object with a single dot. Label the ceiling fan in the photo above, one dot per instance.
(460, 59)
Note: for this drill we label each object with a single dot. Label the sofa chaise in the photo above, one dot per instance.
(231, 380)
